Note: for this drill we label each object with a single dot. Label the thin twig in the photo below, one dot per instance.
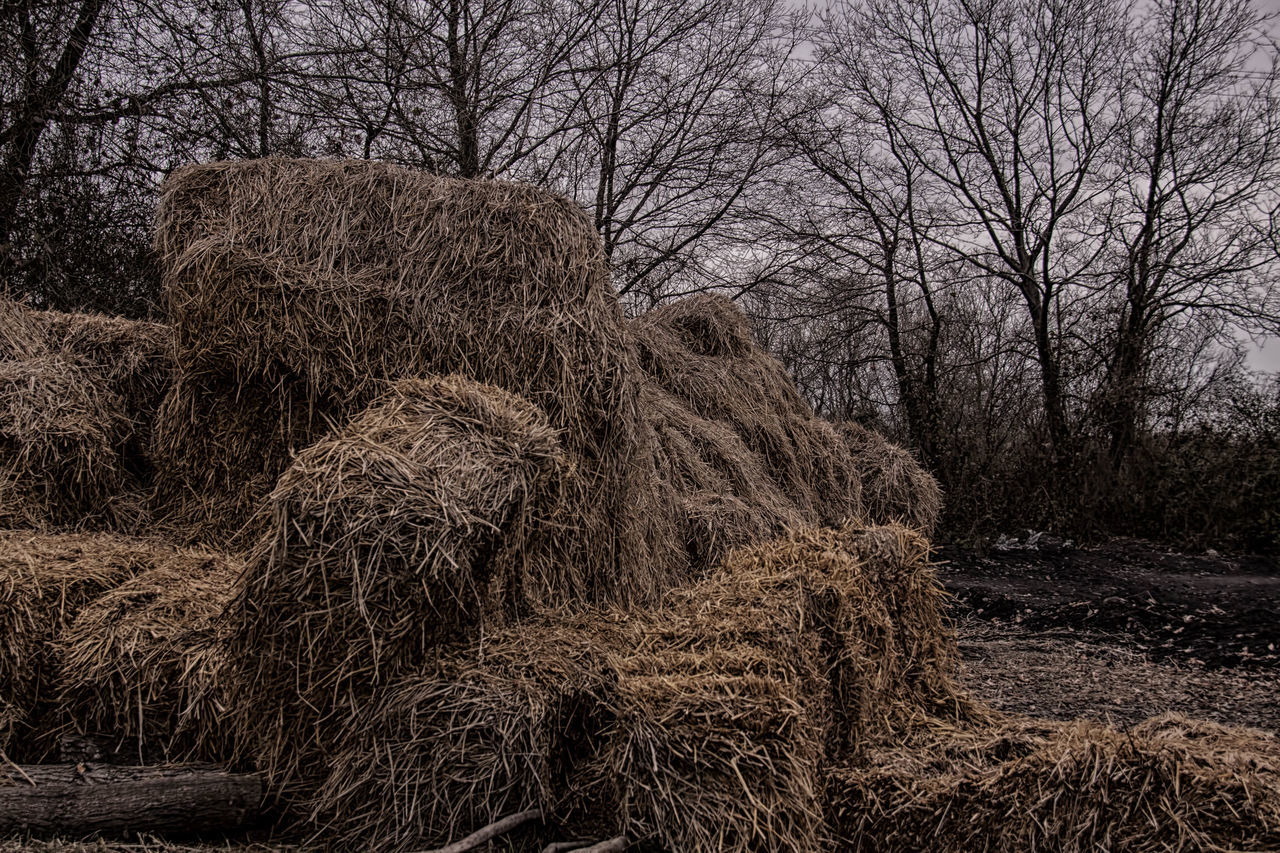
(10, 762)
(493, 830)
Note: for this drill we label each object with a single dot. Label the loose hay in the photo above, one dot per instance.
(324, 278)
(422, 520)
(63, 440)
(894, 486)
(730, 421)
(78, 395)
(1169, 784)
(703, 724)
(141, 665)
(45, 580)
(134, 358)
(21, 335)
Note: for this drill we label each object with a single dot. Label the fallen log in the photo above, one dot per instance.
(85, 799)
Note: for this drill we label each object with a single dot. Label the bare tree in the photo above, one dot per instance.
(1010, 106)
(1195, 220)
(46, 43)
(680, 103)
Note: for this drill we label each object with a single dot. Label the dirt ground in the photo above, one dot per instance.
(1119, 632)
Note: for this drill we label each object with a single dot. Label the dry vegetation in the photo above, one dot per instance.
(497, 548)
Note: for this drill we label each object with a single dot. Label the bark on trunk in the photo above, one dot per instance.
(84, 799)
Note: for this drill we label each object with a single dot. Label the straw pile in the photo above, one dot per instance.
(140, 665)
(62, 439)
(1169, 784)
(741, 452)
(317, 280)
(78, 394)
(45, 580)
(218, 451)
(435, 512)
(706, 723)
(894, 486)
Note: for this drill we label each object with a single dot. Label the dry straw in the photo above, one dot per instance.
(435, 511)
(1168, 785)
(894, 486)
(703, 724)
(62, 442)
(78, 396)
(141, 665)
(45, 580)
(321, 279)
(700, 350)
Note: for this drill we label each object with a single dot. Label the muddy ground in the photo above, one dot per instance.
(1119, 632)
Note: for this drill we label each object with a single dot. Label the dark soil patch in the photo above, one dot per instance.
(1204, 609)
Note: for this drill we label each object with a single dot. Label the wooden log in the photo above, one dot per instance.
(86, 799)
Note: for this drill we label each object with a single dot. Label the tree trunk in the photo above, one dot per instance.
(83, 799)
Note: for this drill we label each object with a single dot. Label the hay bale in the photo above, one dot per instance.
(45, 580)
(434, 512)
(338, 275)
(720, 748)
(706, 723)
(895, 489)
(64, 445)
(140, 665)
(78, 395)
(133, 356)
(1169, 784)
(512, 723)
(700, 352)
(217, 450)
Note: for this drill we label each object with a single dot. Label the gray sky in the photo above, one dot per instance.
(1267, 356)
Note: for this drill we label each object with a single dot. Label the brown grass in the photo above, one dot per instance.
(141, 665)
(432, 514)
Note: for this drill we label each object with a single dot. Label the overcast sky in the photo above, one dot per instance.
(1267, 356)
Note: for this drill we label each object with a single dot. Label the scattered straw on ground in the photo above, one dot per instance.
(1063, 676)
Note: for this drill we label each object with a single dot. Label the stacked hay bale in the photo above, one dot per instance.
(1168, 784)
(741, 452)
(45, 581)
(706, 723)
(78, 395)
(141, 665)
(435, 512)
(300, 285)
